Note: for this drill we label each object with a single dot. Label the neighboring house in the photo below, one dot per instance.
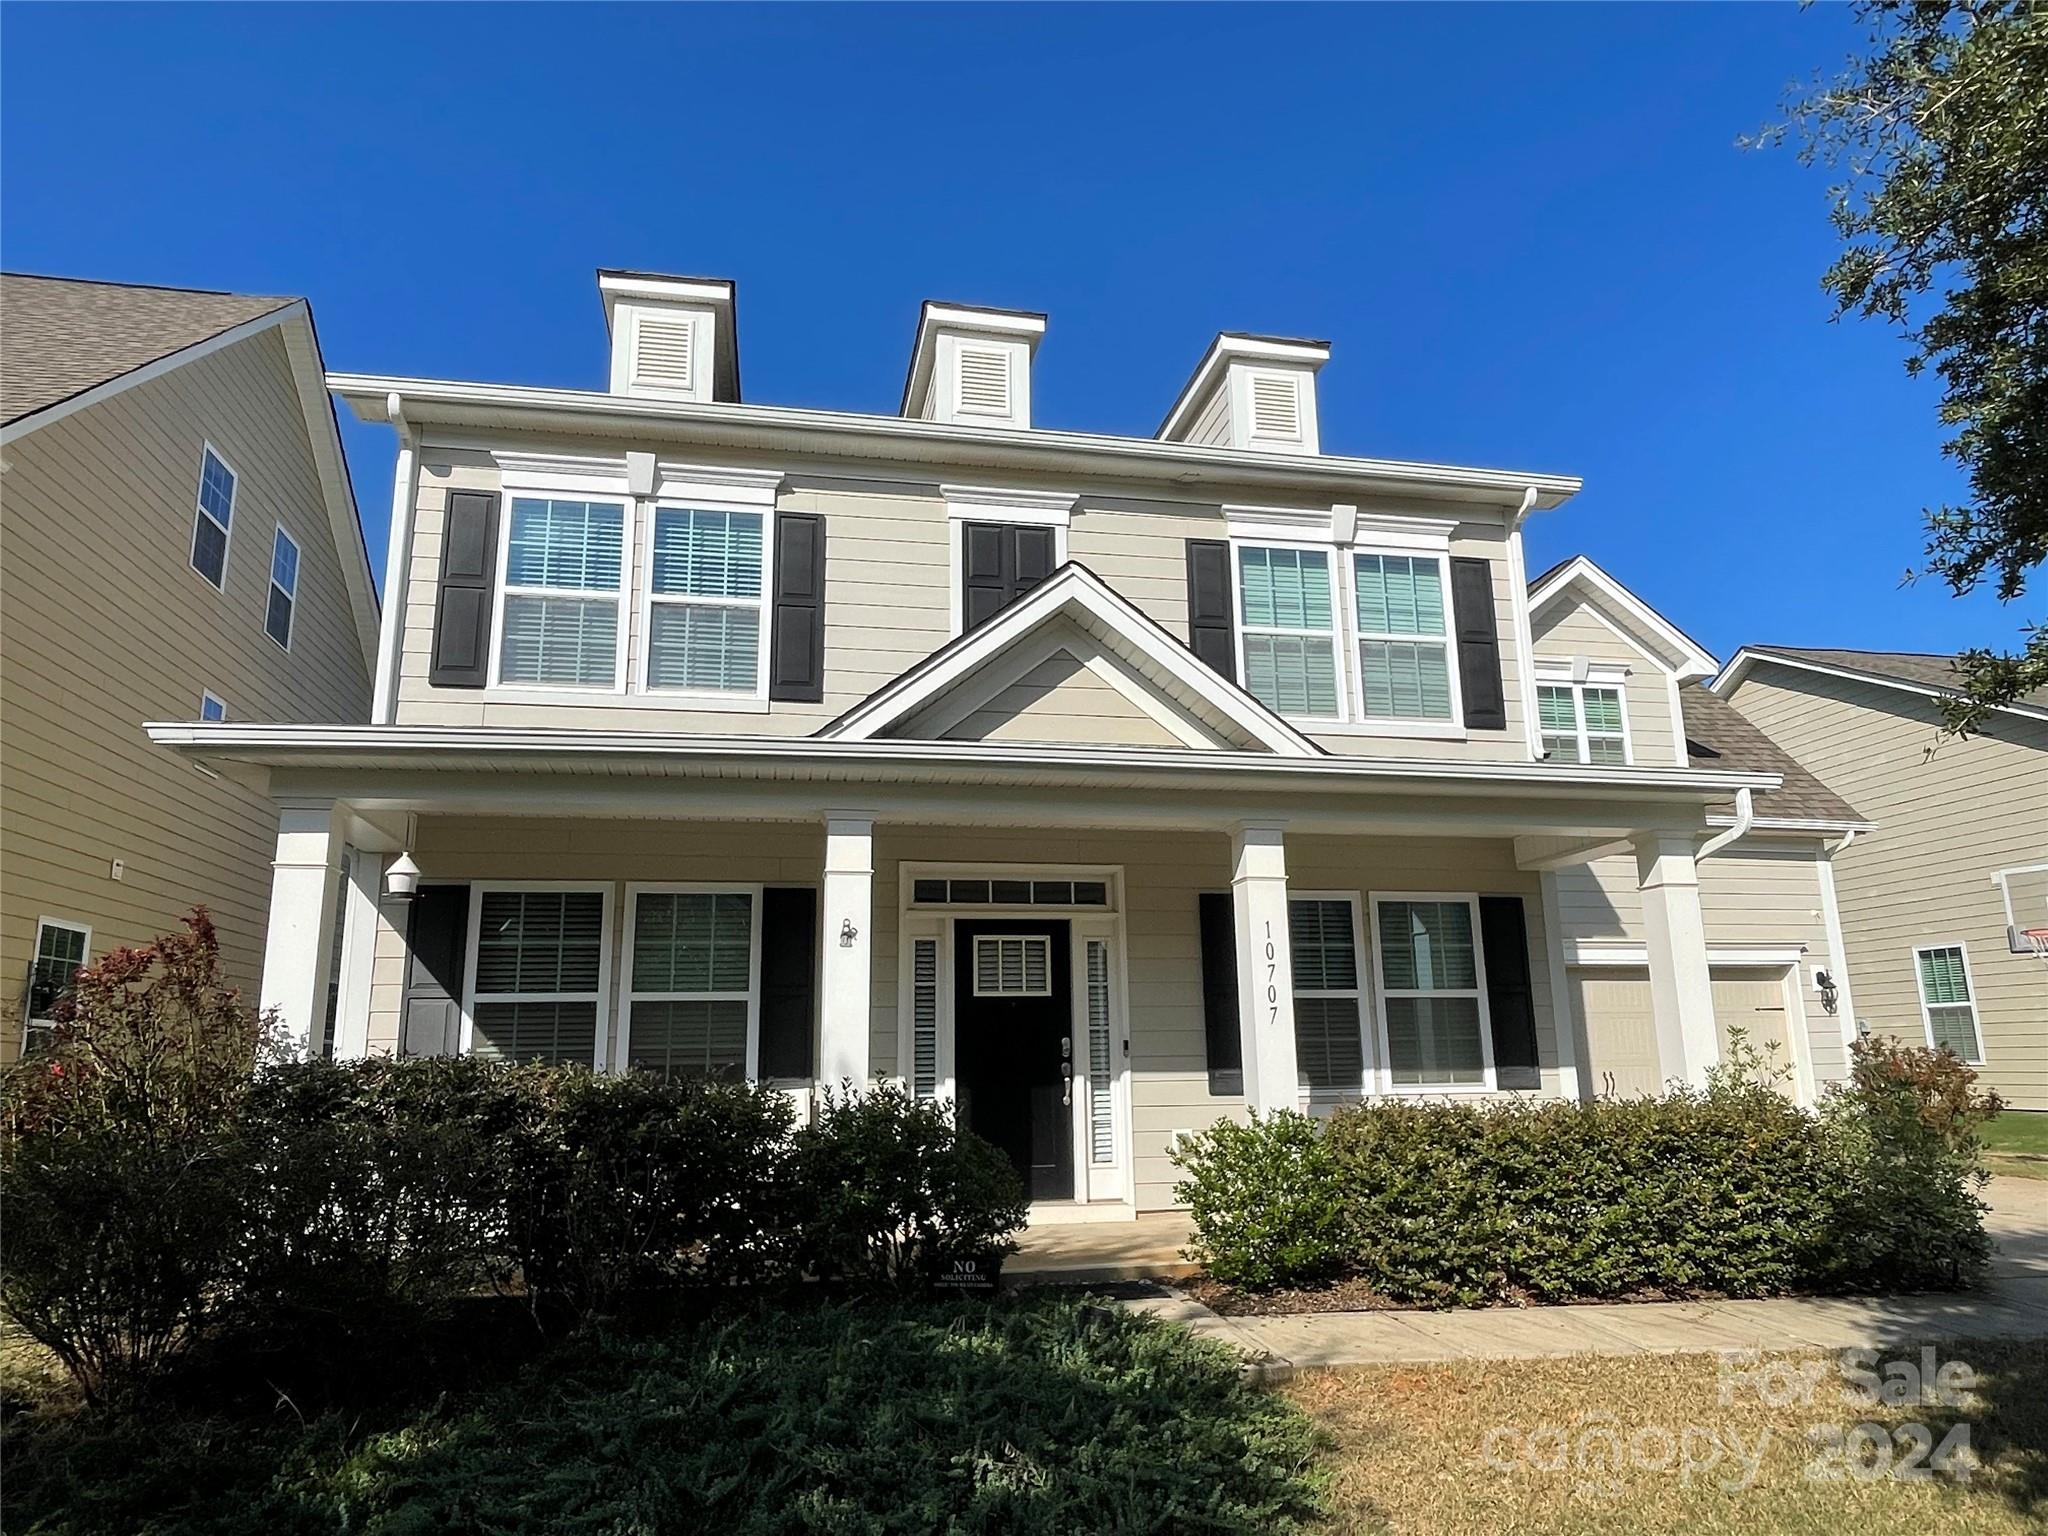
(1107, 785)
(180, 543)
(1940, 905)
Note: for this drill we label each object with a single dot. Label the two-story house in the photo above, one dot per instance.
(177, 541)
(1104, 785)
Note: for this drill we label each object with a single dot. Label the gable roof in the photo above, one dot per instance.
(1922, 672)
(1684, 656)
(1073, 592)
(1718, 735)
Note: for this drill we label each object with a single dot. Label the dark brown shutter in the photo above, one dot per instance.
(1035, 557)
(1212, 616)
(1478, 637)
(1510, 995)
(462, 607)
(436, 971)
(999, 563)
(796, 647)
(789, 960)
(1222, 1034)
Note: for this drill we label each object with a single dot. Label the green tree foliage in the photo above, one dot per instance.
(1939, 132)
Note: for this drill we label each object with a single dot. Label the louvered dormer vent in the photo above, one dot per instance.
(1276, 407)
(664, 352)
(984, 381)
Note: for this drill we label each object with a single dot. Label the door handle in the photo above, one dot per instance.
(1067, 1083)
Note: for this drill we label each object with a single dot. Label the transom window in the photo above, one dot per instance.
(1404, 668)
(705, 607)
(1946, 1005)
(564, 564)
(691, 984)
(1011, 893)
(1012, 965)
(60, 950)
(1329, 1048)
(1430, 992)
(214, 518)
(1582, 723)
(1288, 630)
(539, 976)
(284, 588)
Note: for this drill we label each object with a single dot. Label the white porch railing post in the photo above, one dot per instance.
(299, 944)
(846, 935)
(1265, 968)
(1681, 986)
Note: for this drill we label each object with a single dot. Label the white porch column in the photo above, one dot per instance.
(846, 933)
(1265, 967)
(299, 946)
(1681, 987)
(359, 897)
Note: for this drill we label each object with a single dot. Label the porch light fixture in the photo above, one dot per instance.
(1825, 984)
(847, 933)
(402, 879)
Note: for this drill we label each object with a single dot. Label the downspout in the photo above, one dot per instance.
(1525, 629)
(1840, 843)
(397, 558)
(1745, 818)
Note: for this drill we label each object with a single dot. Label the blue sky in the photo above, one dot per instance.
(1527, 230)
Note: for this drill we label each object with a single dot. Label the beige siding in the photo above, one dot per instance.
(1211, 425)
(1565, 631)
(1061, 700)
(1948, 813)
(106, 626)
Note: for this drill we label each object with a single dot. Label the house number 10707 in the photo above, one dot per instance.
(1272, 977)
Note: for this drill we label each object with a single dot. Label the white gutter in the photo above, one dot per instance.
(1842, 842)
(1745, 818)
(397, 563)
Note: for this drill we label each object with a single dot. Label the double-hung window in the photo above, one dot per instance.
(1322, 941)
(692, 983)
(564, 566)
(1582, 723)
(538, 974)
(1431, 1005)
(1288, 629)
(1947, 1005)
(705, 601)
(214, 517)
(60, 951)
(284, 588)
(1404, 651)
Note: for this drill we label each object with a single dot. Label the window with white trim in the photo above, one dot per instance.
(1430, 1009)
(707, 615)
(284, 588)
(1582, 723)
(1012, 965)
(1288, 630)
(1329, 1047)
(559, 605)
(61, 949)
(214, 517)
(691, 984)
(538, 975)
(1947, 1006)
(212, 706)
(1101, 1090)
(1404, 666)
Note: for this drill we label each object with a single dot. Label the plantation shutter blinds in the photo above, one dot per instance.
(563, 563)
(1101, 1103)
(1328, 1044)
(1510, 993)
(999, 563)
(789, 955)
(704, 600)
(538, 962)
(796, 651)
(437, 943)
(1945, 989)
(462, 604)
(1478, 636)
(924, 1018)
(1222, 1038)
(1404, 663)
(1212, 622)
(689, 978)
(1290, 642)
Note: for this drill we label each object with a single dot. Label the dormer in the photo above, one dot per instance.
(1251, 392)
(971, 366)
(673, 338)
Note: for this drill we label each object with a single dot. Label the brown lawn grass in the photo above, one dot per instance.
(1409, 1443)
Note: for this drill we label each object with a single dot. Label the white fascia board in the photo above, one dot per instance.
(785, 428)
(1746, 659)
(1694, 662)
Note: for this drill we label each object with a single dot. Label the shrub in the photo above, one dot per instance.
(891, 1192)
(1265, 1201)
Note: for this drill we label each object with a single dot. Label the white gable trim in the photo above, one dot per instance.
(1693, 662)
(1070, 588)
(1745, 659)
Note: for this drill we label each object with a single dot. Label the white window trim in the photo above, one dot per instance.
(1387, 1085)
(752, 996)
(199, 511)
(1361, 994)
(1333, 560)
(764, 604)
(291, 593)
(84, 930)
(1614, 680)
(606, 938)
(992, 504)
(1927, 1008)
(1000, 939)
(208, 696)
(1455, 725)
(566, 490)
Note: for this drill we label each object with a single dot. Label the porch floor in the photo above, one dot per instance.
(1100, 1251)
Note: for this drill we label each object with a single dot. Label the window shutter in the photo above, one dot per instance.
(1212, 618)
(789, 959)
(1478, 644)
(999, 563)
(437, 946)
(1034, 558)
(796, 654)
(462, 607)
(1222, 1036)
(1510, 996)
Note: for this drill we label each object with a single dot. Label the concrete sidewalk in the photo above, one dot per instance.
(2013, 1305)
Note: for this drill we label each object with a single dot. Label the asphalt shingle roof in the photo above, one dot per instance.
(1920, 668)
(60, 336)
(1718, 735)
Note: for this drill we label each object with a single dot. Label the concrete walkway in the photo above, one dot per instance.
(2013, 1305)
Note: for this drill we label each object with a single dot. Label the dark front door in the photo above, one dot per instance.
(1012, 1044)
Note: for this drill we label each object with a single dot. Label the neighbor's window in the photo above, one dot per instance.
(1404, 669)
(60, 951)
(284, 588)
(1946, 1006)
(1582, 723)
(1288, 630)
(212, 706)
(539, 976)
(215, 515)
(705, 609)
(563, 565)
(1328, 1048)
(690, 983)
(1429, 993)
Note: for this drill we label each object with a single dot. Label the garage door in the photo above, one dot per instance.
(1621, 1035)
(1754, 1001)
